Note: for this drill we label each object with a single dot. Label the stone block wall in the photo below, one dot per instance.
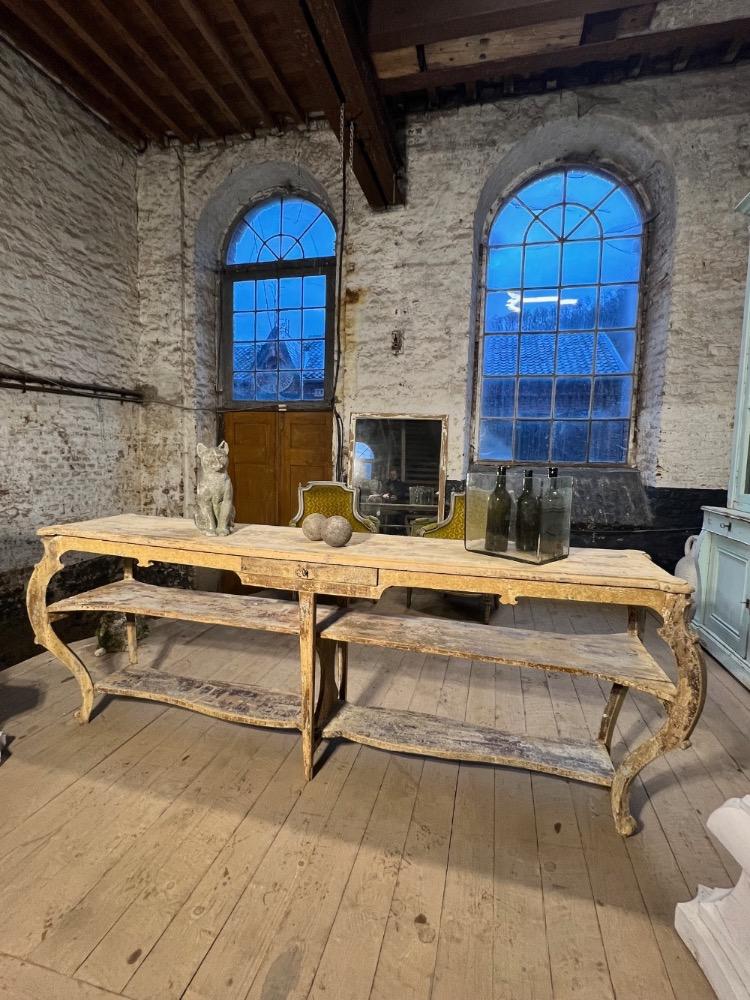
(68, 308)
(681, 141)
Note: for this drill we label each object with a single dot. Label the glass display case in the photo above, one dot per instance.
(398, 463)
(520, 514)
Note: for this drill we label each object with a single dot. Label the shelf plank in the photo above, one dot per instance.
(434, 736)
(244, 703)
(619, 658)
(267, 614)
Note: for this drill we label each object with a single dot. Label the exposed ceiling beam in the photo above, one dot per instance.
(66, 15)
(116, 25)
(261, 57)
(698, 37)
(51, 63)
(344, 52)
(394, 24)
(181, 53)
(203, 25)
(35, 21)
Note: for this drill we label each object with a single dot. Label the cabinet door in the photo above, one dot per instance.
(726, 590)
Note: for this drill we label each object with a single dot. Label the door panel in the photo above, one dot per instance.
(253, 464)
(727, 588)
(270, 454)
(306, 440)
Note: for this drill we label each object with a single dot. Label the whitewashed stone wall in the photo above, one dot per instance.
(682, 140)
(68, 308)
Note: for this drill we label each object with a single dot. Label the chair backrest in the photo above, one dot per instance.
(329, 498)
(453, 525)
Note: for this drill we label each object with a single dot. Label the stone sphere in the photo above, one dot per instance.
(337, 531)
(313, 526)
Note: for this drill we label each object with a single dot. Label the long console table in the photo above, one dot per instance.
(283, 559)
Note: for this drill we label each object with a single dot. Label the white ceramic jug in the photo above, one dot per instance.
(687, 567)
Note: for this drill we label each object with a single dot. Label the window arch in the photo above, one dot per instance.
(278, 293)
(559, 321)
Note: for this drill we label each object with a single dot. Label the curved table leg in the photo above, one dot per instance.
(36, 602)
(682, 714)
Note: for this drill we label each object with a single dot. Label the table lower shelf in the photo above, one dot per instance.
(243, 703)
(434, 736)
(266, 614)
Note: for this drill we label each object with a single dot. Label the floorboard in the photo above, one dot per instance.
(157, 854)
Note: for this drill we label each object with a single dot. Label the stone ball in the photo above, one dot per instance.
(313, 526)
(337, 531)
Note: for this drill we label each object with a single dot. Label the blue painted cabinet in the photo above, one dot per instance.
(722, 615)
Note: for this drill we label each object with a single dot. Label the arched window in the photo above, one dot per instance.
(560, 319)
(278, 305)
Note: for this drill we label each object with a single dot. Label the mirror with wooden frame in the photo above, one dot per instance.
(398, 462)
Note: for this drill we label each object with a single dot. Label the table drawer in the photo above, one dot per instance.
(295, 573)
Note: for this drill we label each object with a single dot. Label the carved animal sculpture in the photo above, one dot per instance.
(214, 509)
(111, 636)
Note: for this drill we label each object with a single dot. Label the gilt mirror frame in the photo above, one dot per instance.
(354, 417)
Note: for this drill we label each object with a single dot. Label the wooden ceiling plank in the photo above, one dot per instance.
(61, 71)
(66, 14)
(29, 16)
(181, 53)
(700, 36)
(117, 25)
(262, 58)
(345, 52)
(394, 24)
(201, 22)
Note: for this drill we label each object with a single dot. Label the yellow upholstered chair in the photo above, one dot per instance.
(453, 527)
(322, 497)
(450, 527)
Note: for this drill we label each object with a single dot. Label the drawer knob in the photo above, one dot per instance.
(303, 571)
(726, 524)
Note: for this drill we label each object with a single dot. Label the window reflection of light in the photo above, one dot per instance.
(514, 301)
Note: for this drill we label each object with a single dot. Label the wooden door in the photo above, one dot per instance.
(270, 453)
(305, 455)
(253, 464)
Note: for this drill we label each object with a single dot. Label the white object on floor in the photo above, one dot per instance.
(716, 924)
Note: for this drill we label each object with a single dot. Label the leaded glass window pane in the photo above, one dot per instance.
(563, 270)
(280, 303)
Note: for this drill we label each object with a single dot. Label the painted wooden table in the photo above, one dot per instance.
(283, 559)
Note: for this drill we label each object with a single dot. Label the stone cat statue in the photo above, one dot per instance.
(214, 508)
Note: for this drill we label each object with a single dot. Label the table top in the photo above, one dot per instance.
(598, 567)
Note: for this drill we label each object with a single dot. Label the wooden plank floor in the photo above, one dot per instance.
(160, 854)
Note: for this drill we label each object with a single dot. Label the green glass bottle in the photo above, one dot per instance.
(498, 515)
(527, 516)
(552, 519)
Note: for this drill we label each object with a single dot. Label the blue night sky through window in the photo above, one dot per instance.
(562, 284)
(279, 305)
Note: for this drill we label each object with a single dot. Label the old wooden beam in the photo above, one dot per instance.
(74, 21)
(394, 24)
(228, 60)
(161, 27)
(120, 29)
(101, 97)
(344, 50)
(699, 37)
(262, 58)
